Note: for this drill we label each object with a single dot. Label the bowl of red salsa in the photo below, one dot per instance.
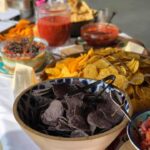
(142, 122)
(99, 34)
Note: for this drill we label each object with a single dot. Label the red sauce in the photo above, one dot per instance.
(54, 29)
(99, 34)
(145, 134)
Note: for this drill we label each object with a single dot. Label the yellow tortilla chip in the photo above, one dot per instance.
(137, 79)
(102, 63)
(111, 70)
(52, 71)
(93, 59)
(133, 65)
(123, 70)
(121, 82)
(90, 71)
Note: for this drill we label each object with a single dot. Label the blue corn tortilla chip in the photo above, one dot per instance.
(78, 122)
(99, 119)
(53, 112)
(58, 114)
(78, 133)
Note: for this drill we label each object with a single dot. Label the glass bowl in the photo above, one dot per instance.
(99, 34)
(27, 51)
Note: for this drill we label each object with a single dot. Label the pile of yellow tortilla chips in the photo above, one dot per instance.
(24, 28)
(132, 71)
(80, 11)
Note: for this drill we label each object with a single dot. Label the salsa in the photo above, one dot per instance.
(145, 133)
(98, 34)
(54, 29)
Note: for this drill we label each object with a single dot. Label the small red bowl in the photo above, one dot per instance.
(99, 34)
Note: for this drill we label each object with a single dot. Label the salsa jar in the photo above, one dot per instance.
(54, 22)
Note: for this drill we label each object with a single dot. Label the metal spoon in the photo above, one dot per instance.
(111, 17)
(120, 103)
(105, 15)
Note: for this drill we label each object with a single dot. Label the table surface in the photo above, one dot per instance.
(12, 136)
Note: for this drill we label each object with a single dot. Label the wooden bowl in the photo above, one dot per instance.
(48, 142)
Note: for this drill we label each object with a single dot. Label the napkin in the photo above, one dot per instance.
(24, 76)
(133, 47)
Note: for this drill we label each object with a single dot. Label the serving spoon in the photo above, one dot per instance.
(120, 103)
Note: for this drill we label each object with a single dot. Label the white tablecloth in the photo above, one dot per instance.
(12, 136)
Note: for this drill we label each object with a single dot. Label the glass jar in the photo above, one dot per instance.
(24, 6)
(53, 21)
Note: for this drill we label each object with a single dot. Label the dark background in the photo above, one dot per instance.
(133, 16)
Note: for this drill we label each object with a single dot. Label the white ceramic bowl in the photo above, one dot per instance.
(96, 142)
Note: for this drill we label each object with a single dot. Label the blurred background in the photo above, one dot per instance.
(133, 16)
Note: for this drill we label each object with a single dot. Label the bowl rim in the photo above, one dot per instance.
(100, 23)
(129, 127)
(33, 131)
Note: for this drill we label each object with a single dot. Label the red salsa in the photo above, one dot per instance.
(145, 134)
(54, 29)
(99, 34)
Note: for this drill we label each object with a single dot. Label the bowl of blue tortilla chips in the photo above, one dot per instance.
(57, 120)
